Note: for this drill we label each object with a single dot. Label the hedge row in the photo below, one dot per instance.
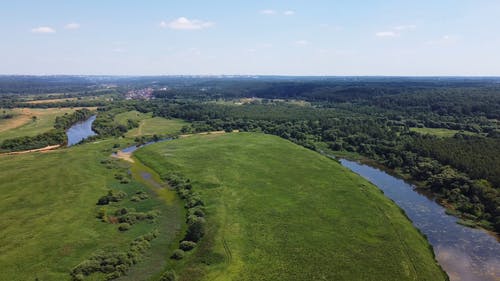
(195, 216)
(114, 264)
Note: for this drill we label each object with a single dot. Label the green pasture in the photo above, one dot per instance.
(277, 211)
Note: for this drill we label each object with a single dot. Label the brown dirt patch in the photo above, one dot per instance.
(43, 149)
(23, 117)
(124, 156)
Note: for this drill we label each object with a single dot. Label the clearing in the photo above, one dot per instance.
(440, 132)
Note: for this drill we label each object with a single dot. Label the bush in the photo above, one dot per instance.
(178, 254)
(112, 196)
(102, 214)
(125, 181)
(196, 229)
(139, 196)
(187, 245)
(124, 226)
(199, 213)
(168, 276)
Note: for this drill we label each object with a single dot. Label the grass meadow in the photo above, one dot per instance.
(277, 211)
(48, 221)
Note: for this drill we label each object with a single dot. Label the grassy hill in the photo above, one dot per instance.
(277, 211)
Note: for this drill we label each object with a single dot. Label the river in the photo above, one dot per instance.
(80, 131)
(466, 254)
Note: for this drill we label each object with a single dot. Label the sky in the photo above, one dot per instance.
(302, 37)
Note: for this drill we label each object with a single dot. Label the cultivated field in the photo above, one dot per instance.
(277, 211)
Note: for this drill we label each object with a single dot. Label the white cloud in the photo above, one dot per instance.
(72, 26)
(405, 27)
(386, 34)
(302, 42)
(43, 30)
(289, 13)
(268, 12)
(183, 23)
(396, 31)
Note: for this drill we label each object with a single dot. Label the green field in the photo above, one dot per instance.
(149, 125)
(135, 115)
(277, 211)
(158, 126)
(48, 221)
(23, 124)
(440, 132)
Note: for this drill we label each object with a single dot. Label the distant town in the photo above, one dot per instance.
(142, 94)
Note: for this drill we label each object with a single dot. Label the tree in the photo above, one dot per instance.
(196, 229)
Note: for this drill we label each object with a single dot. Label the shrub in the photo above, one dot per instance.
(124, 226)
(187, 245)
(104, 200)
(178, 254)
(196, 229)
(124, 181)
(122, 178)
(102, 214)
(112, 196)
(194, 201)
(168, 276)
(139, 196)
(199, 213)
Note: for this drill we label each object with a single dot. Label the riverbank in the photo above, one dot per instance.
(465, 253)
(416, 185)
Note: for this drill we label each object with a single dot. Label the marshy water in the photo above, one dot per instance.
(466, 254)
(80, 131)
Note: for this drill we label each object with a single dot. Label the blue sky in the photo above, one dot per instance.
(315, 37)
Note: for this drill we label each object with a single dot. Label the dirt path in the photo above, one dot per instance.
(43, 149)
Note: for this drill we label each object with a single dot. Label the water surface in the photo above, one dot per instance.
(466, 254)
(133, 148)
(80, 131)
